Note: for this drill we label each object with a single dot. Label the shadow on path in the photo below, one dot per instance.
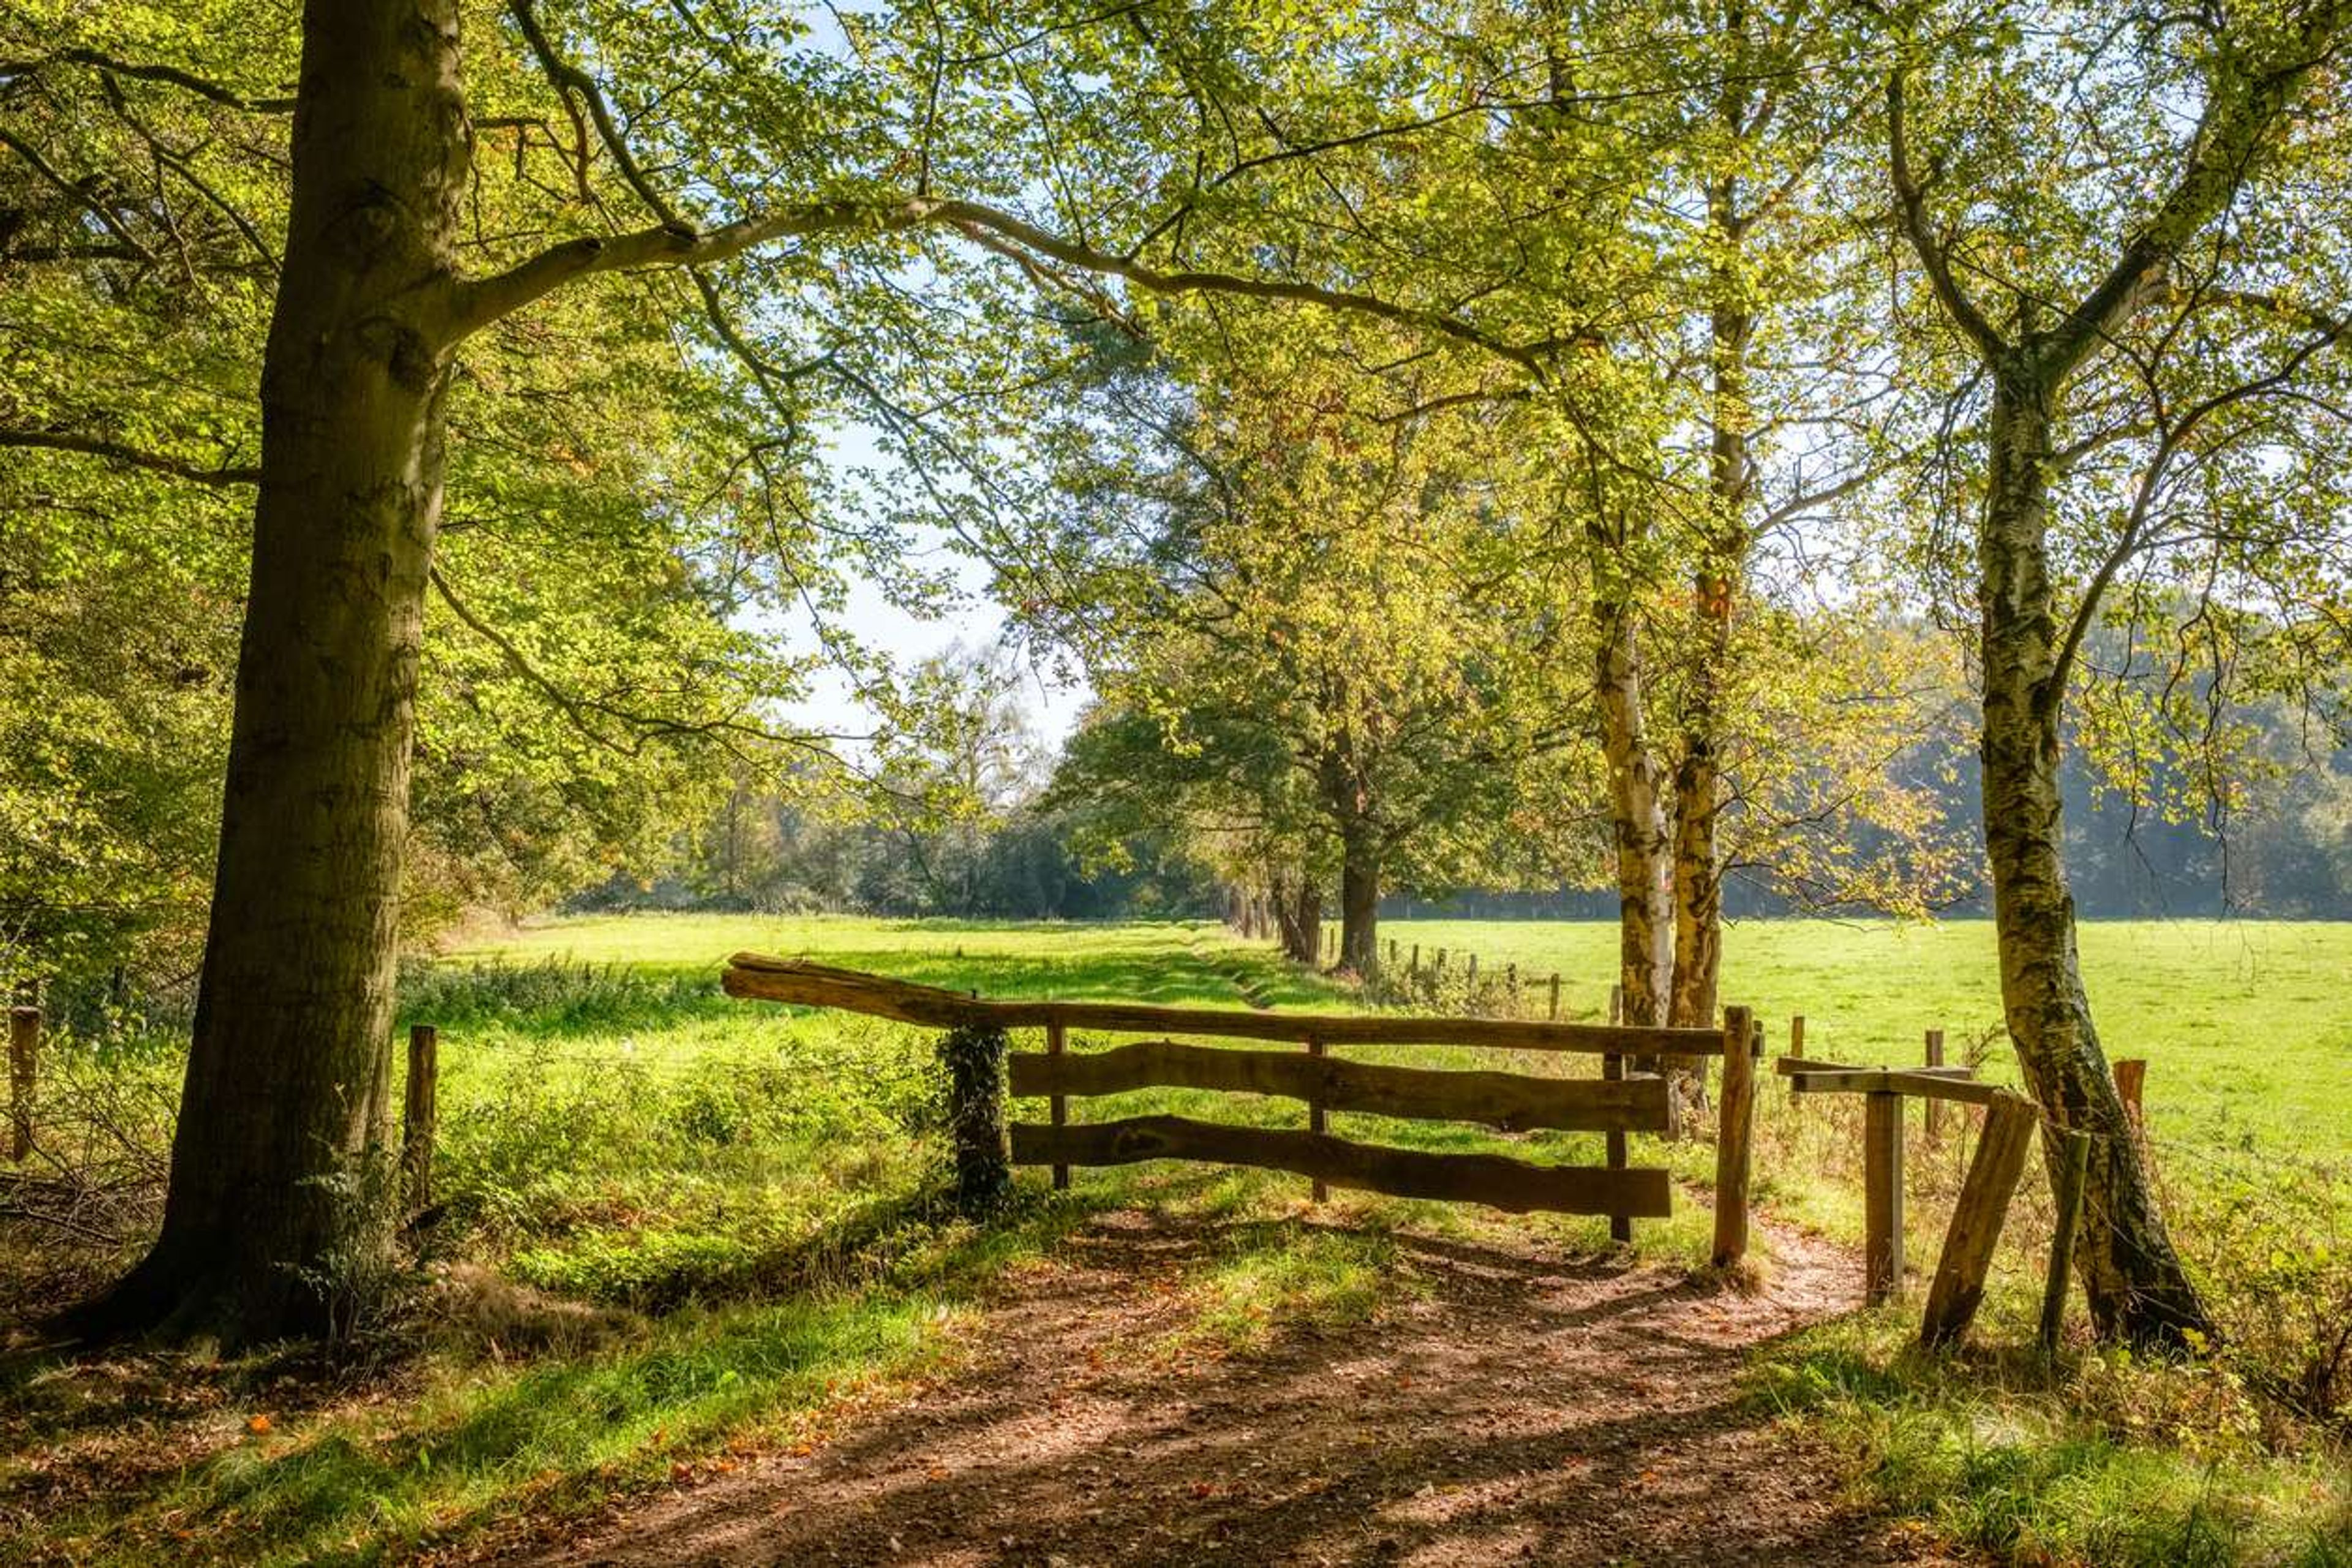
(1514, 1406)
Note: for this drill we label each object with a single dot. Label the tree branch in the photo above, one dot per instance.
(1911, 206)
(130, 457)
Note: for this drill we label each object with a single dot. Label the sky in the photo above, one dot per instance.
(977, 621)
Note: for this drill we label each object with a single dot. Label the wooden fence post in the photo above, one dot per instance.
(1511, 986)
(1616, 1005)
(24, 1065)
(1058, 1106)
(1318, 1120)
(2074, 1164)
(1977, 1219)
(1412, 969)
(1931, 1110)
(1555, 995)
(419, 1113)
(2131, 1083)
(1882, 1180)
(1621, 1226)
(1734, 1136)
(1472, 979)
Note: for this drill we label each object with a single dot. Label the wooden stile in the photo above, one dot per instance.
(1882, 1176)
(1057, 1106)
(24, 1072)
(420, 1114)
(2073, 1167)
(1976, 1219)
(1735, 1137)
(1496, 1180)
(1511, 1102)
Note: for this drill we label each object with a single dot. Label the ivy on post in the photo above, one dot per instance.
(975, 1055)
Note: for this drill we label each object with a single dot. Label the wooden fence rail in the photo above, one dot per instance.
(1615, 1103)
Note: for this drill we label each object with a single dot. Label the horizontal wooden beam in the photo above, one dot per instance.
(1493, 1179)
(1509, 1101)
(1789, 1066)
(1884, 1080)
(758, 976)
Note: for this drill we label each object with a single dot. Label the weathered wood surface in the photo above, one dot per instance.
(1496, 1180)
(1056, 1043)
(1613, 1071)
(1734, 1136)
(1882, 1196)
(1928, 1085)
(760, 977)
(1512, 1102)
(1976, 1219)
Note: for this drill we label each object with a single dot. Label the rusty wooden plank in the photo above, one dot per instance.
(1496, 1180)
(1512, 1102)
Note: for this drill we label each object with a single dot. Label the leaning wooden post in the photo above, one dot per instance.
(1796, 1049)
(1621, 1226)
(975, 1056)
(24, 1064)
(420, 1114)
(1318, 1120)
(1412, 968)
(1616, 1005)
(2074, 1164)
(1977, 1219)
(1734, 1136)
(1882, 1181)
(1059, 1106)
(1555, 995)
(1931, 1110)
(2131, 1083)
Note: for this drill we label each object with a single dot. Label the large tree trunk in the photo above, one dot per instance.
(287, 1078)
(2137, 1285)
(1359, 899)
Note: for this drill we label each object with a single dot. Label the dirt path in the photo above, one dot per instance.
(1525, 1407)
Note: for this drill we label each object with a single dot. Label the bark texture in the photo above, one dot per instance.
(284, 1104)
(2133, 1279)
(1359, 899)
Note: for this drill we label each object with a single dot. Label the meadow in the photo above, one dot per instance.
(673, 1228)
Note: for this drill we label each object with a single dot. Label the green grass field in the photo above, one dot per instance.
(679, 1225)
(2246, 1026)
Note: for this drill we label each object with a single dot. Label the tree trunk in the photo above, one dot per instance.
(1698, 788)
(1298, 912)
(1359, 901)
(2137, 1285)
(1645, 883)
(265, 1224)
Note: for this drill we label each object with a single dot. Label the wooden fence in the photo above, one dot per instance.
(1617, 1102)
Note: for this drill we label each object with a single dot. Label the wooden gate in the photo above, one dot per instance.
(1618, 1103)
